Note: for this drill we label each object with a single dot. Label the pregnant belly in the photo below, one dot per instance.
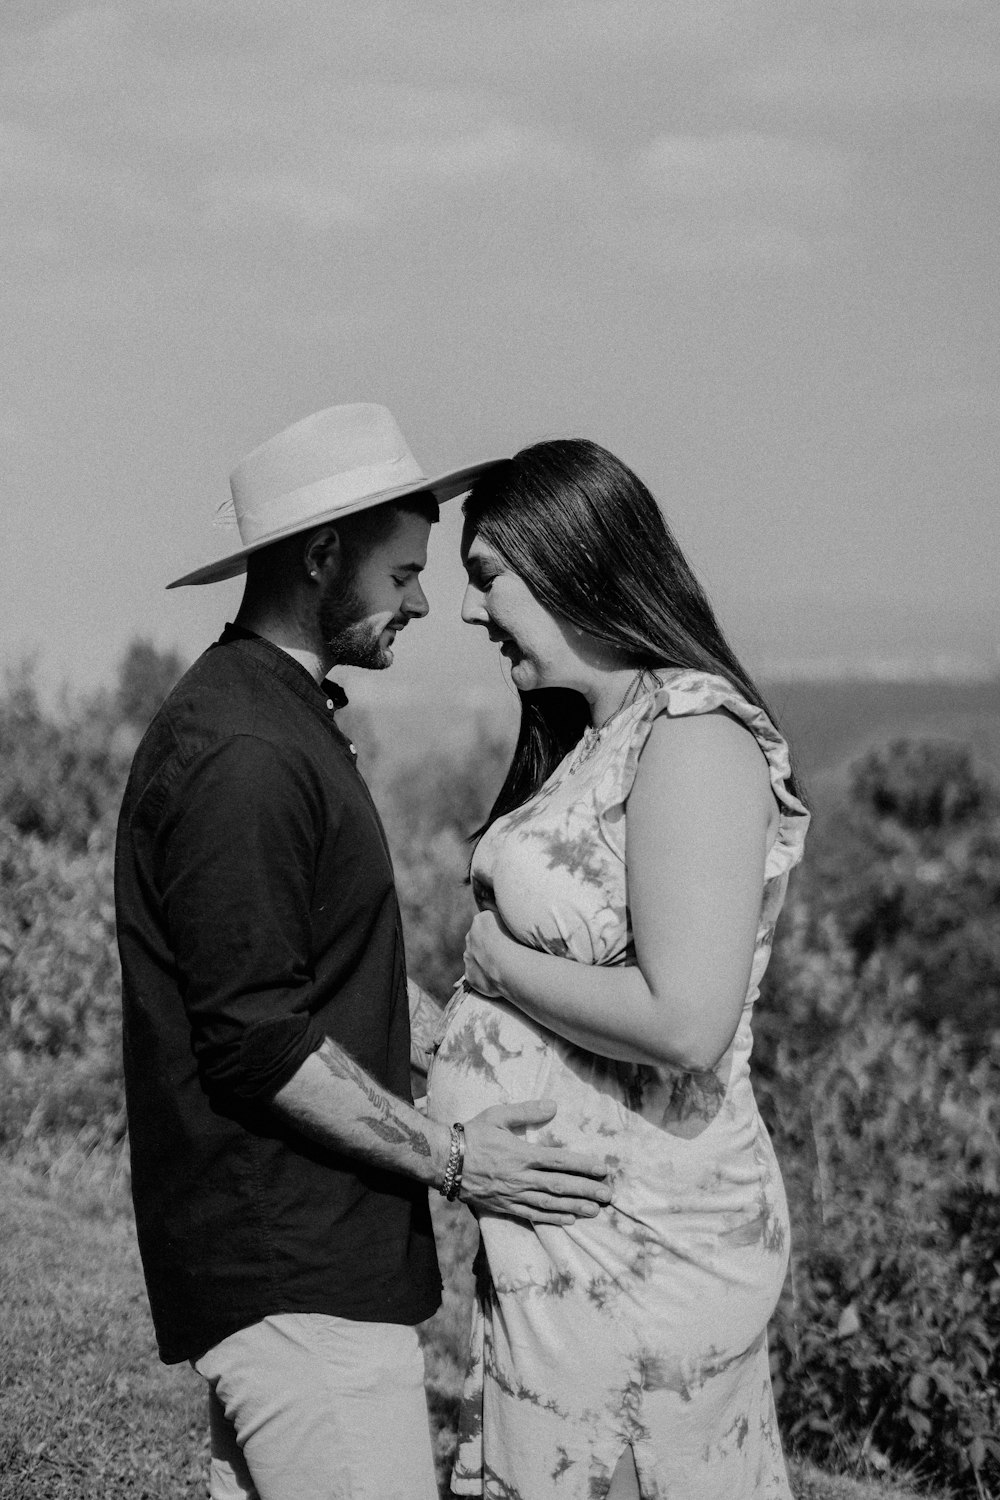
(488, 1053)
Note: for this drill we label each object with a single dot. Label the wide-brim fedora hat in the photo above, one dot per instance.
(338, 461)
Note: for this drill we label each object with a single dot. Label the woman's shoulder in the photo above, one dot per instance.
(711, 741)
(715, 741)
(687, 693)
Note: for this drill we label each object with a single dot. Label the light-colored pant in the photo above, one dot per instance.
(304, 1406)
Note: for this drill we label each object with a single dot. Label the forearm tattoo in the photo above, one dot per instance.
(386, 1122)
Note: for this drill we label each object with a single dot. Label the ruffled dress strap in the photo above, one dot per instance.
(681, 693)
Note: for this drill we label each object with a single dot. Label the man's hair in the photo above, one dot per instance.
(367, 528)
(358, 534)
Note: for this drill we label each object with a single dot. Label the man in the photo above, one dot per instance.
(279, 1168)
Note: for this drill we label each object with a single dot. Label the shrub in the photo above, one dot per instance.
(923, 785)
(875, 1059)
(60, 780)
(909, 866)
(145, 677)
(886, 1347)
(430, 808)
(59, 989)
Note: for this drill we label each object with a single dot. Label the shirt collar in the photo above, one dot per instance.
(292, 671)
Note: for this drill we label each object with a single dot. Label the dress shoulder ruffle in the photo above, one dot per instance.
(682, 693)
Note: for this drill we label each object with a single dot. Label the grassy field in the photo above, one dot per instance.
(85, 1407)
(87, 1410)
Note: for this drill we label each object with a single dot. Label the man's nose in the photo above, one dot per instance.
(416, 601)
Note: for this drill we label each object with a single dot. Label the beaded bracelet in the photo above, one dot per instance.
(456, 1161)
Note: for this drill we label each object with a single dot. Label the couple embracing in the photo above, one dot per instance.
(588, 1087)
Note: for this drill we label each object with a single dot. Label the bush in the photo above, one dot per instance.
(886, 1342)
(60, 780)
(876, 1059)
(59, 977)
(909, 867)
(922, 785)
(430, 808)
(145, 677)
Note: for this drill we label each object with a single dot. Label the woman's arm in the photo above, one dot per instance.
(700, 819)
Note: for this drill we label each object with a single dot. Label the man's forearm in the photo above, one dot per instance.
(334, 1101)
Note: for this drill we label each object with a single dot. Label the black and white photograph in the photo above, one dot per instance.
(500, 750)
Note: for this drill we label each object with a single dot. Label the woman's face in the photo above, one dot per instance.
(538, 646)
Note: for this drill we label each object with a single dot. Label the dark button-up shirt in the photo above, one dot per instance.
(257, 915)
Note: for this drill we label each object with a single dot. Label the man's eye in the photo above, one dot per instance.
(400, 582)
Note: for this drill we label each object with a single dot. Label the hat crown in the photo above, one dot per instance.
(335, 441)
(325, 467)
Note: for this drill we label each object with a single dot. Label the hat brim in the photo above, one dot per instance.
(444, 487)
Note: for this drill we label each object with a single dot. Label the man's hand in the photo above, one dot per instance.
(544, 1184)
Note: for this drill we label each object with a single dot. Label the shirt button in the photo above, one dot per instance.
(352, 749)
(329, 702)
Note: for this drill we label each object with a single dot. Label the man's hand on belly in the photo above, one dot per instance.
(504, 1174)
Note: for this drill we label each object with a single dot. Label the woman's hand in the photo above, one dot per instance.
(701, 818)
(486, 945)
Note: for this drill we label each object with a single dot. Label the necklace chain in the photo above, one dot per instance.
(591, 736)
(633, 682)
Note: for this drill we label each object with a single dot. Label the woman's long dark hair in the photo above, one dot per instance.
(589, 540)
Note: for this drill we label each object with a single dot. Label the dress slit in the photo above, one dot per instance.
(617, 1492)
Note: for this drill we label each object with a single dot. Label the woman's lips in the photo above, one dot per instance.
(508, 645)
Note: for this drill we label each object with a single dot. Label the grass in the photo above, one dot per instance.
(86, 1409)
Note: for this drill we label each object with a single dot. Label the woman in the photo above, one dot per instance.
(628, 879)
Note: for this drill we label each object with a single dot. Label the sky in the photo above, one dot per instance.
(749, 245)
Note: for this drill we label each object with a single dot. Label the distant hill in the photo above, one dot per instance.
(828, 722)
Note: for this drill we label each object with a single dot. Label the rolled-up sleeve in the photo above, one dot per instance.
(235, 865)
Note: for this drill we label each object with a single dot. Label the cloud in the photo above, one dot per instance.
(63, 204)
(889, 69)
(31, 160)
(971, 401)
(356, 179)
(254, 123)
(487, 151)
(62, 60)
(15, 429)
(738, 200)
(749, 172)
(50, 162)
(281, 196)
(180, 117)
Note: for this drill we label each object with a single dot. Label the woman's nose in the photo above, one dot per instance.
(473, 611)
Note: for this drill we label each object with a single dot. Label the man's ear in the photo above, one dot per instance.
(323, 553)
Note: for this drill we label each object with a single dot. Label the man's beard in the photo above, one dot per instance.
(349, 637)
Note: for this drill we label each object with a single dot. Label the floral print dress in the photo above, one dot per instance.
(645, 1326)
